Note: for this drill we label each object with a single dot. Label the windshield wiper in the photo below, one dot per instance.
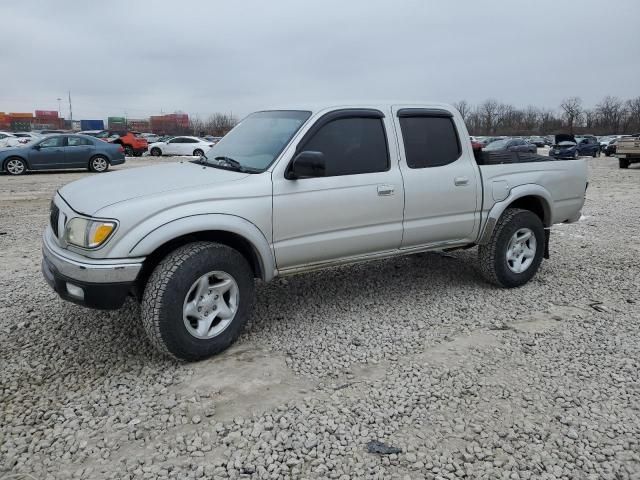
(236, 165)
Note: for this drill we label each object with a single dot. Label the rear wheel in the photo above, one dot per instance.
(623, 163)
(197, 300)
(99, 164)
(156, 152)
(514, 253)
(15, 166)
(198, 153)
(128, 150)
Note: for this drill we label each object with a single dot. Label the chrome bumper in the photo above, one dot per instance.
(82, 269)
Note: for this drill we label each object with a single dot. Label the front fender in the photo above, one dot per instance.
(202, 223)
(529, 190)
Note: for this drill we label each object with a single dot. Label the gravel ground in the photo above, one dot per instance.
(418, 353)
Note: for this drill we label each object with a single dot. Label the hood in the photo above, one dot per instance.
(98, 191)
(564, 137)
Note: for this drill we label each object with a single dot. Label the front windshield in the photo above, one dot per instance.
(258, 139)
(497, 145)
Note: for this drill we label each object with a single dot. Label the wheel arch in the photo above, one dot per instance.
(6, 160)
(234, 232)
(533, 198)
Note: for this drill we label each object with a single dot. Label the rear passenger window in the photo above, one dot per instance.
(429, 141)
(352, 146)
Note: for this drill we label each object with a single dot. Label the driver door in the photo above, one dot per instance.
(49, 153)
(173, 146)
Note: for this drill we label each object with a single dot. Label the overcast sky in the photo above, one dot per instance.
(142, 57)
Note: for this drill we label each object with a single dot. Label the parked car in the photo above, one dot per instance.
(56, 152)
(511, 145)
(539, 142)
(610, 148)
(181, 146)
(604, 141)
(27, 136)
(8, 139)
(134, 145)
(150, 137)
(628, 150)
(289, 191)
(568, 146)
(212, 139)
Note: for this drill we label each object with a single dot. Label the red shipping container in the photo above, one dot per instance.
(46, 114)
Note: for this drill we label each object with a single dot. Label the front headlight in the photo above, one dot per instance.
(86, 233)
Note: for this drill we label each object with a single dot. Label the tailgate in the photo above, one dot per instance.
(629, 146)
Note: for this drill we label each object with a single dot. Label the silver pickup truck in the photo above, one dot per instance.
(289, 191)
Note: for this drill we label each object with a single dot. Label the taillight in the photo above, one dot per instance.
(120, 148)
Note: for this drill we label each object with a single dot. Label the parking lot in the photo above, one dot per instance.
(418, 353)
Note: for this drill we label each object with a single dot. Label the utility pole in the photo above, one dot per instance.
(59, 100)
(70, 109)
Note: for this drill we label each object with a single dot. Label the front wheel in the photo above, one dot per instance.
(623, 163)
(514, 252)
(197, 300)
(156, 152)
(15, 166)
(198, 153)
(576, 154)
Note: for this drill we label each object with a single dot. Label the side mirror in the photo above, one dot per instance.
(307, 164)
(37, 147)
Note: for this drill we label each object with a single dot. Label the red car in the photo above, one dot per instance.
(132, 142)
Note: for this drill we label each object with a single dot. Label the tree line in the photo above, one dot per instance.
(217, 124)
(611, 115)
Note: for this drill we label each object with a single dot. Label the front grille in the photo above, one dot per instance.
(53, 217)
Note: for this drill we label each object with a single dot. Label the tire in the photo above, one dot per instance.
(156, 152)
(166, 299)
(128, 151)
(198, 153)
(623, 163)
(15, 166)
(99, 164)
(607, 154)
(137, 153)
(494, 264)
(576, 154)
(596, 153)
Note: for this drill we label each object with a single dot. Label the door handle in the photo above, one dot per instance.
(386, 190)
(461, 181)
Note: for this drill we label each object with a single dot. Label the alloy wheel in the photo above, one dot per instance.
(521, 250)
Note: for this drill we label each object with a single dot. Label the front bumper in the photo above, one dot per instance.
(102, 284)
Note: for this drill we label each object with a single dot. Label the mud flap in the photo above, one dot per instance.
(547, 236)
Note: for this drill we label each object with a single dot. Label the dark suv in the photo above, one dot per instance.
(568, 146)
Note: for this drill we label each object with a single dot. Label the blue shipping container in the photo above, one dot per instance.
(91, 124)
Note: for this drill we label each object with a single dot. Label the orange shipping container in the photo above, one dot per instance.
(21, 115)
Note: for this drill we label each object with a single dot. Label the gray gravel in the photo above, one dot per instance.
(417, 353)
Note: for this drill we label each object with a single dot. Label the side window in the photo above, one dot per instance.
(352, 146)
(190, 140)
(51, 142)
(429, 141)
(77, 141)
(174, 140)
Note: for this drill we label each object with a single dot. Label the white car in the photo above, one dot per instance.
(180, 146)
(8, 139)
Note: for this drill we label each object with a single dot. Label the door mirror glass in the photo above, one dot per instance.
(307, 164)
(36, 147)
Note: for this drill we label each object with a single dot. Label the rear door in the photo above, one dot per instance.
(78, 151)
(441, 178)
(49, 153)
(352, 211)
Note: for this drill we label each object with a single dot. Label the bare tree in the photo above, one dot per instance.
(464, 108)
(488, 112)
(610, 111)
(531, 119)
(219, 124)
(590, 118)
(632, 108)
(572, 108)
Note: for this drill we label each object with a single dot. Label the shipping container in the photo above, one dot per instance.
(91, 124)
(46, 114)
(20, 126)
(117, 119)
(20, 115)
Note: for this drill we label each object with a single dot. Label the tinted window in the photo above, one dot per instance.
(429, 141)
(351, 146)
(190, 140)
(75, 141)
(51, 142)
(176, 140)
